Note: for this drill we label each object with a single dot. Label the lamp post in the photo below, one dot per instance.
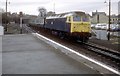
(109, 20)
(6, 17)
(108, 35)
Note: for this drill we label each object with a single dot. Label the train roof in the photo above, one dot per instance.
(64, 15)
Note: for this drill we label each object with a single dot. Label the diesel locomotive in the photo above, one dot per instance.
(71, 24)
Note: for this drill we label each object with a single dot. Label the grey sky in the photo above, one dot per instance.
(31, 6)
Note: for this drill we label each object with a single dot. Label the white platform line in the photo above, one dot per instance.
(94, 61)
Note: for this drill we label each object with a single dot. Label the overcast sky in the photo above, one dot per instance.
(31, 6)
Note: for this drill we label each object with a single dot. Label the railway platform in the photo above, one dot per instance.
(113, 44)
(100, 37)
(27, 54)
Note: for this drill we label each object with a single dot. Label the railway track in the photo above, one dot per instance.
(112, 57)
(106, 55)
(104, 51)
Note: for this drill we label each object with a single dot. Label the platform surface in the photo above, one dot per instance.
(26, 54)
(0, 55)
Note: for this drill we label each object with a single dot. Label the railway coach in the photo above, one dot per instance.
(73, 24)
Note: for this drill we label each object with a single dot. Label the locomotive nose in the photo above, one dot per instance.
(80, 27)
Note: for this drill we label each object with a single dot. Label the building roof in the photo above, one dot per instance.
(1, 10)
(114, 16)
(95, 13)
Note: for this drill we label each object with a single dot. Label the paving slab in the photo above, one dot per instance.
(26, 54)
(0, 55)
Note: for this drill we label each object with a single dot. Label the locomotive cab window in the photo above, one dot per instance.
(76, 18)
(85, 19)
(68, 19)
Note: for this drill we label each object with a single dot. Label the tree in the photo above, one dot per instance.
(42, 12)
(5, 19)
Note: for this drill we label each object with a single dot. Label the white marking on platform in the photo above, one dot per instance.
(94, 61)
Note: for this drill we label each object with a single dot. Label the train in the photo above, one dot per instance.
(74, 24)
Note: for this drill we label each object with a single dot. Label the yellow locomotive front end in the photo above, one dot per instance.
(80, 26)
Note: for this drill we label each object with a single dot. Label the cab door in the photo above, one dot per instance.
(68, 24)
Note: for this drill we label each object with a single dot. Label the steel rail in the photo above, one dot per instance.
(95, 48)
(103, 51)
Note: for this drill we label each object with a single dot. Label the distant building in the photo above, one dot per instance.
(28, 18)
(114, 19)
(8, 14)
(15, 15)
(89, 16)
(119, 18)
(36, 20)
(1, 10)
(40, 19)
(99, 17)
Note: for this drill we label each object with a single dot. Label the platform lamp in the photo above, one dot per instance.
(108, 35)
(6, 15)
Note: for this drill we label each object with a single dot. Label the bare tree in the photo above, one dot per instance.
(42, 11)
